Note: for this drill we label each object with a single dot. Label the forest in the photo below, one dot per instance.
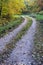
(8, 8)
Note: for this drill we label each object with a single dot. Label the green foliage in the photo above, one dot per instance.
(39, 17)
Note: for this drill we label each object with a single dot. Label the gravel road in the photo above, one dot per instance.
(22, 53)
(8, 37)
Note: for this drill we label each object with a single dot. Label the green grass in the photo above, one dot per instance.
(39, 17)
(11, 25)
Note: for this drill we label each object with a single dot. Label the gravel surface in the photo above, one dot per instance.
(7, 38)
(22, 53)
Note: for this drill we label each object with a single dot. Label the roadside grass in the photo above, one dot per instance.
(39, 17)
(10, 26)
(9, 47)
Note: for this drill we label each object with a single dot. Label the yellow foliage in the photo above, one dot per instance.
(12, 7)
(16, 6)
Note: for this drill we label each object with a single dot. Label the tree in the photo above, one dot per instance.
(40, 3)
(11, 7)
(0, 7)
(32, 6)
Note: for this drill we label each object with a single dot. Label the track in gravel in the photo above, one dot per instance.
(7, 38)
(22, 53)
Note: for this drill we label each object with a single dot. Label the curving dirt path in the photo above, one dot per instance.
(7, 38)
(22, 53)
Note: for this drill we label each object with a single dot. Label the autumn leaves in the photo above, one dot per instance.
(11, 7)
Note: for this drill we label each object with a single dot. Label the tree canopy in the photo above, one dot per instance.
(12, 7)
